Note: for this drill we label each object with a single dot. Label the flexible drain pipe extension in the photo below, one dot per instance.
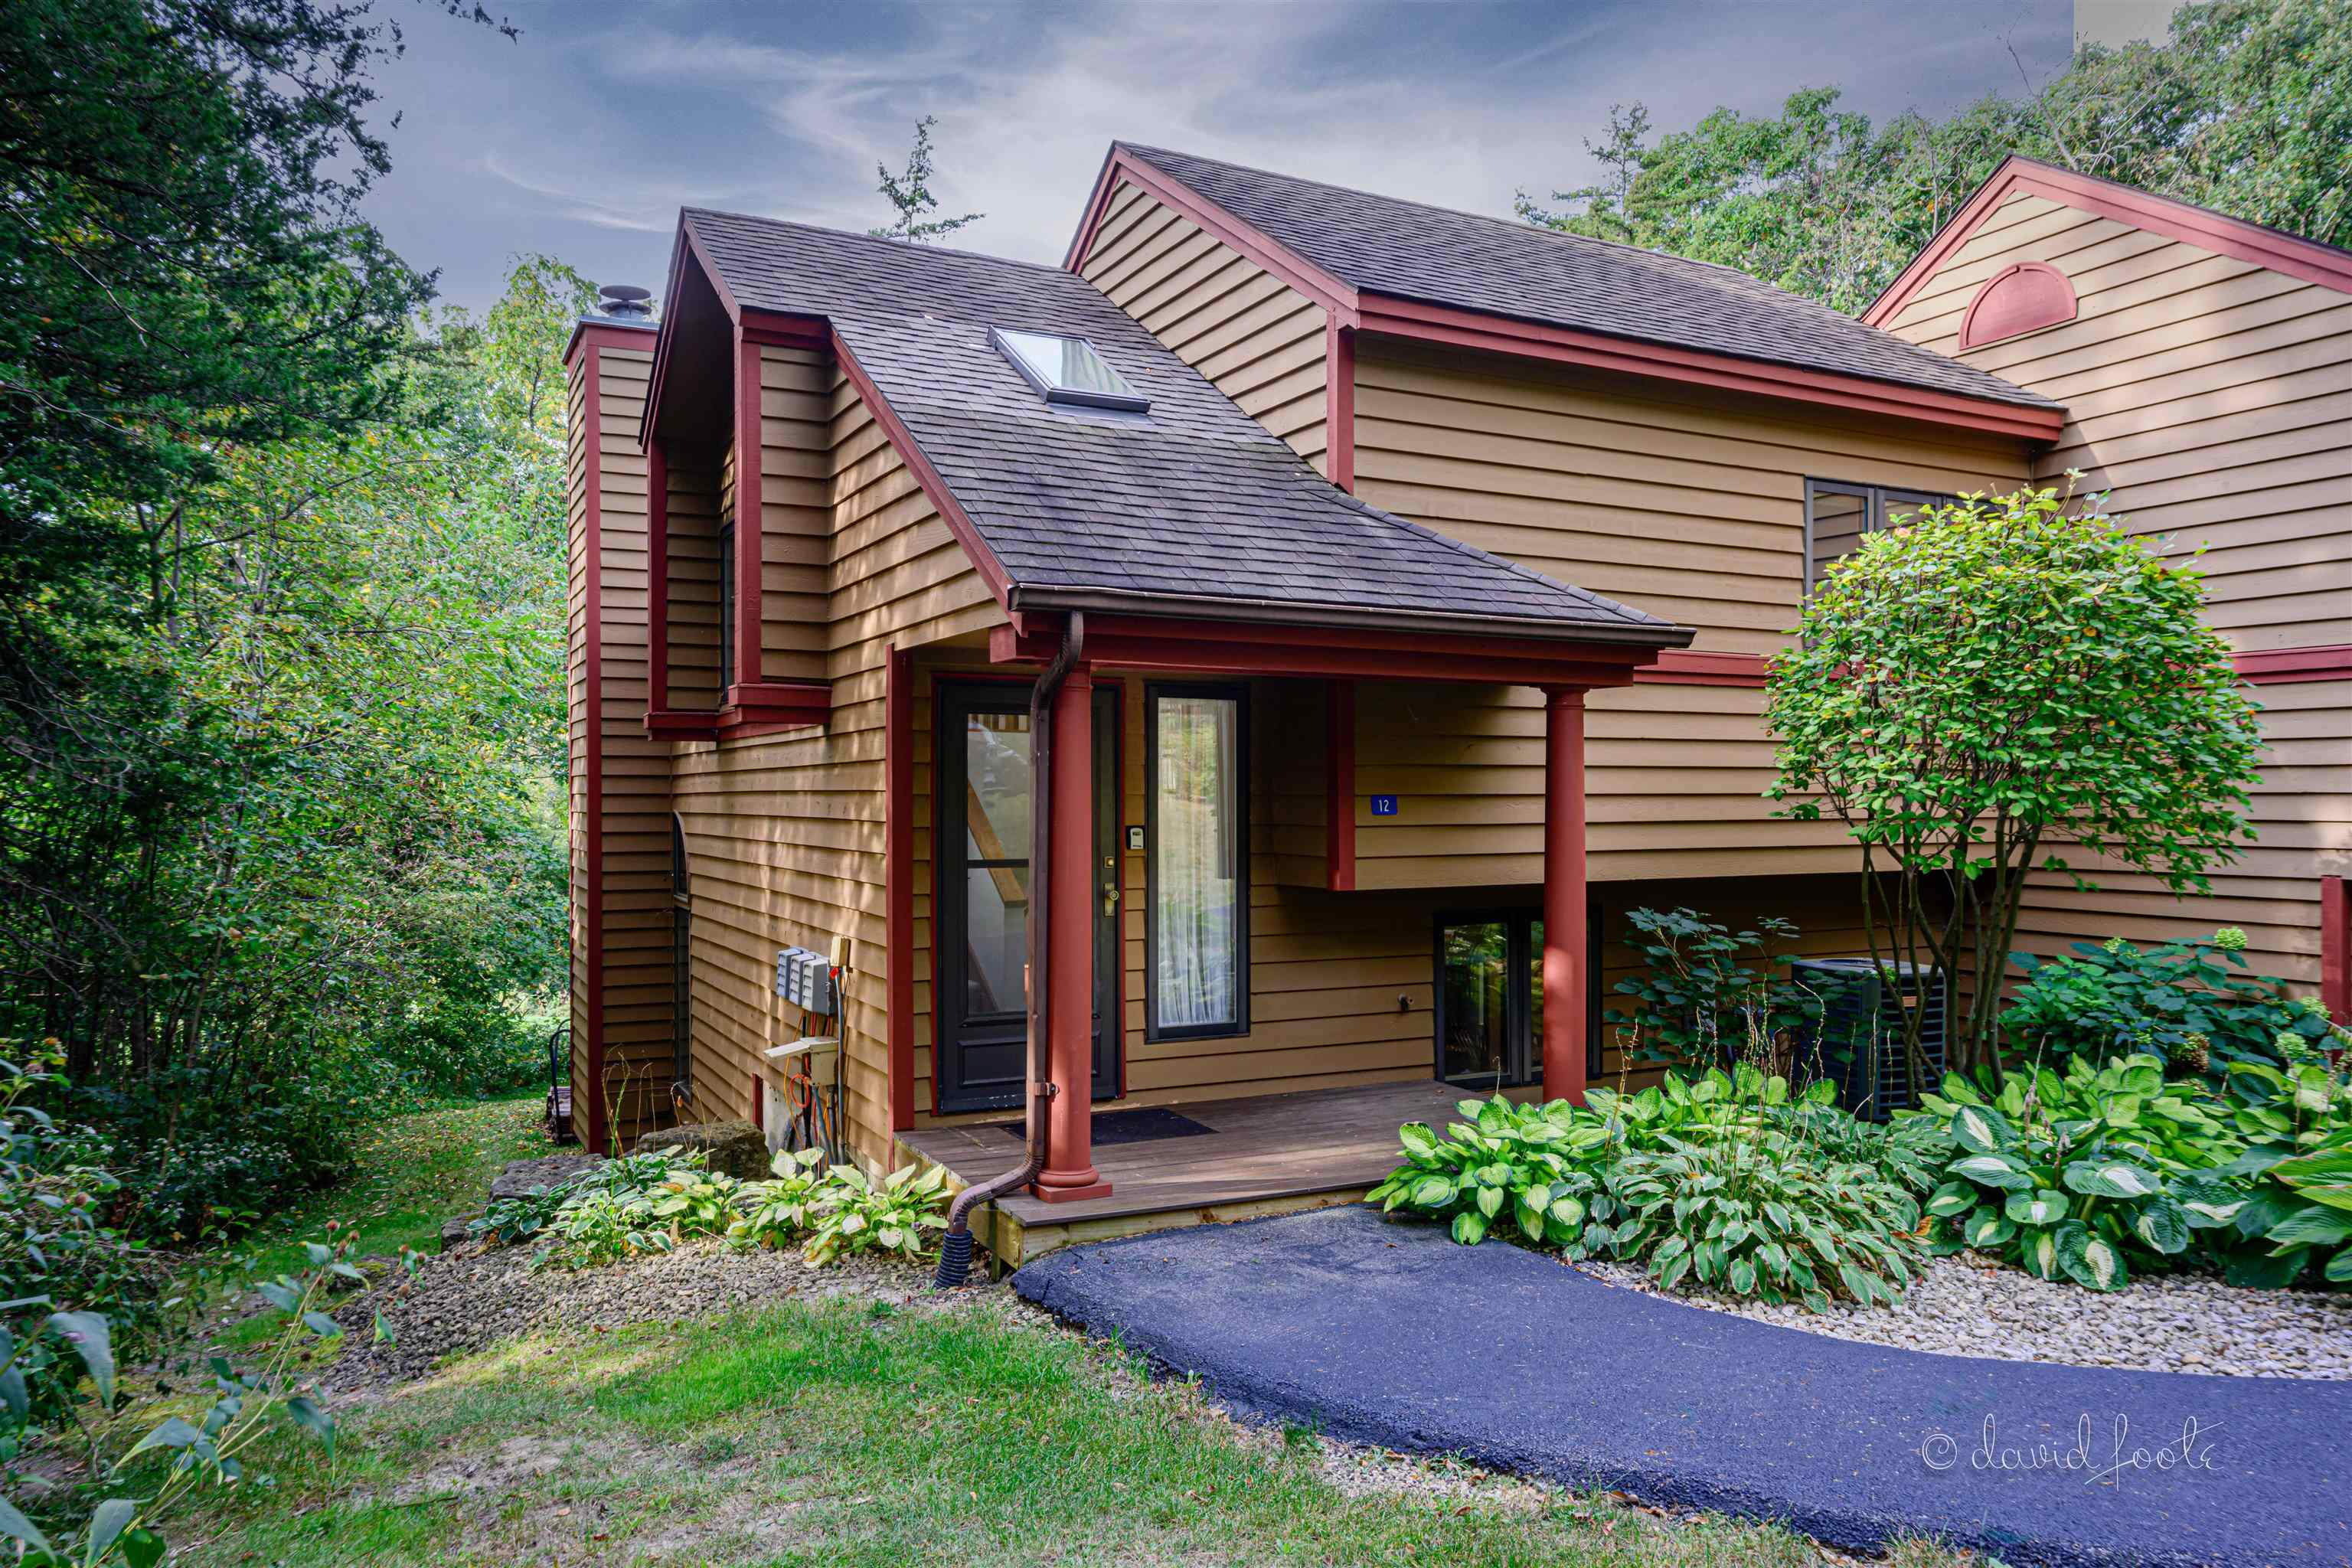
(955, 1248)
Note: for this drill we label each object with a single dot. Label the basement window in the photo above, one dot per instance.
(1068, 371)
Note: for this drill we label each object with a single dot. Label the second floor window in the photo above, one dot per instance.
(1837, 514)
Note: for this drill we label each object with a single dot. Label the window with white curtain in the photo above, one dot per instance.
(1199, 862)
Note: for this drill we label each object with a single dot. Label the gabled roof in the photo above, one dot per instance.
(1192, 506)
(1370, 244)
(2264, 247)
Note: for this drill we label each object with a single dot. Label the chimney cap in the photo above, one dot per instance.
(625, 300)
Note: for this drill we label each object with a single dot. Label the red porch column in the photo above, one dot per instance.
(1565, 981)
(1070, 1174)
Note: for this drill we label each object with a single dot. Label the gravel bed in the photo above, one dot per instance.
(1967, 1305)
(466, 1301)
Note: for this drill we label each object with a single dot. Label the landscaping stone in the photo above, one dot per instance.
(455, 1232)
(734, 1149)
(1968, 1305)
(522, 1177)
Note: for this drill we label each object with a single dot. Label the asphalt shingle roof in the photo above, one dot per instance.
(1193, 498)
(1441, 257)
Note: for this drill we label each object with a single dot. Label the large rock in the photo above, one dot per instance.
(734, 1149)
(522, 1177)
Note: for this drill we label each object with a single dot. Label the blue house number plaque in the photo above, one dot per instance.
(1385, 806)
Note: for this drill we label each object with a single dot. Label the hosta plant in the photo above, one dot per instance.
(2070, 1175)
(889, 1215)
(1768, 1216)
(2287, 1201)
(509, 1220)
(1524, 1167)
(785, 1208)
(1726, 1180)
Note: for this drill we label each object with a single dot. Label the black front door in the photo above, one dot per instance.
(981, 889)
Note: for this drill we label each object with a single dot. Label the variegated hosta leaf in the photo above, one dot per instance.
(1992, 1170)
(1988, 1228)
(2042, 1208)
(2161, 1226)
(1952, 1198)
(1982, 1130)
(2111, 1179)
(2041, 1254)
(2090, 1258)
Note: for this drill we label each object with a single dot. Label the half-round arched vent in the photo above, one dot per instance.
(2021, 299)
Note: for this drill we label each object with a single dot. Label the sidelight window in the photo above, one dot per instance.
(1198, 868)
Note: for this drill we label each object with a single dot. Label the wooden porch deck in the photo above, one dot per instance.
(1266, 1155)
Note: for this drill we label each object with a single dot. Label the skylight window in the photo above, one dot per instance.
(1067, 371)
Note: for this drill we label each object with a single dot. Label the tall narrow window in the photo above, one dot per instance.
(1838, 514)
(1489, 998)
(1199, 863)
(726, 610)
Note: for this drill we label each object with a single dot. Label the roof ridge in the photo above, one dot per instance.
(1515, 225)
(919, 247)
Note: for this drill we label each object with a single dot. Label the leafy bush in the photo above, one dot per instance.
(858, 1215)
(58, 1259)
(1724, 1180)
(1705, 995)
(133, 1501)
(786, 1207)
(205, 1150)
(2178, 1002)
(2099, 1173)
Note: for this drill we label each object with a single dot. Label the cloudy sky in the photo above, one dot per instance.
(584, 138)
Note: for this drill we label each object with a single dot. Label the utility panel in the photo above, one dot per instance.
(804, 979)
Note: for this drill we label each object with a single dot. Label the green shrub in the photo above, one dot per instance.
(858, 1215)
(1726, 1180)
(1705, 995)
(59, 1257)
(2177, 1002)
(2099, 1173)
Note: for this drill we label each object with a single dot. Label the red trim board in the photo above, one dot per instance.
(2281, 252)
(657, 579)
(1339, 778)
(751, 541)
(898, 878)
(2289, 666)
(2335, 949)
(1340, 404)
(2260, 666)
(1243, 648)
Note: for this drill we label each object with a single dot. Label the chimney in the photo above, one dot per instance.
(627, 302)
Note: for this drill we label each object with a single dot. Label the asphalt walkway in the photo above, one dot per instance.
(1386, 1332)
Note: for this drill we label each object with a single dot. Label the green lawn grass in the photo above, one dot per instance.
(414, 1172)
(861, 1435)
(837, 1434)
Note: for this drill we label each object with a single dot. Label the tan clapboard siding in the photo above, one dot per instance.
(2213, 397)
(700, 495)
(1688, 507)
(1260, 340)
(634, 808)
(785, 832)
(795, 512)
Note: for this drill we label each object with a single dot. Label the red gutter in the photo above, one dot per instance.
(1566, 345)
(2251, 242)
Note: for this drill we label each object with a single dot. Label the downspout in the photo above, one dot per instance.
(955, 1248)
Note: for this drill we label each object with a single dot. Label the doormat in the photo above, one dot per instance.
(1147, 1124)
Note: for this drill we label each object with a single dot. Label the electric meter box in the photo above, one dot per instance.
(804, 979)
